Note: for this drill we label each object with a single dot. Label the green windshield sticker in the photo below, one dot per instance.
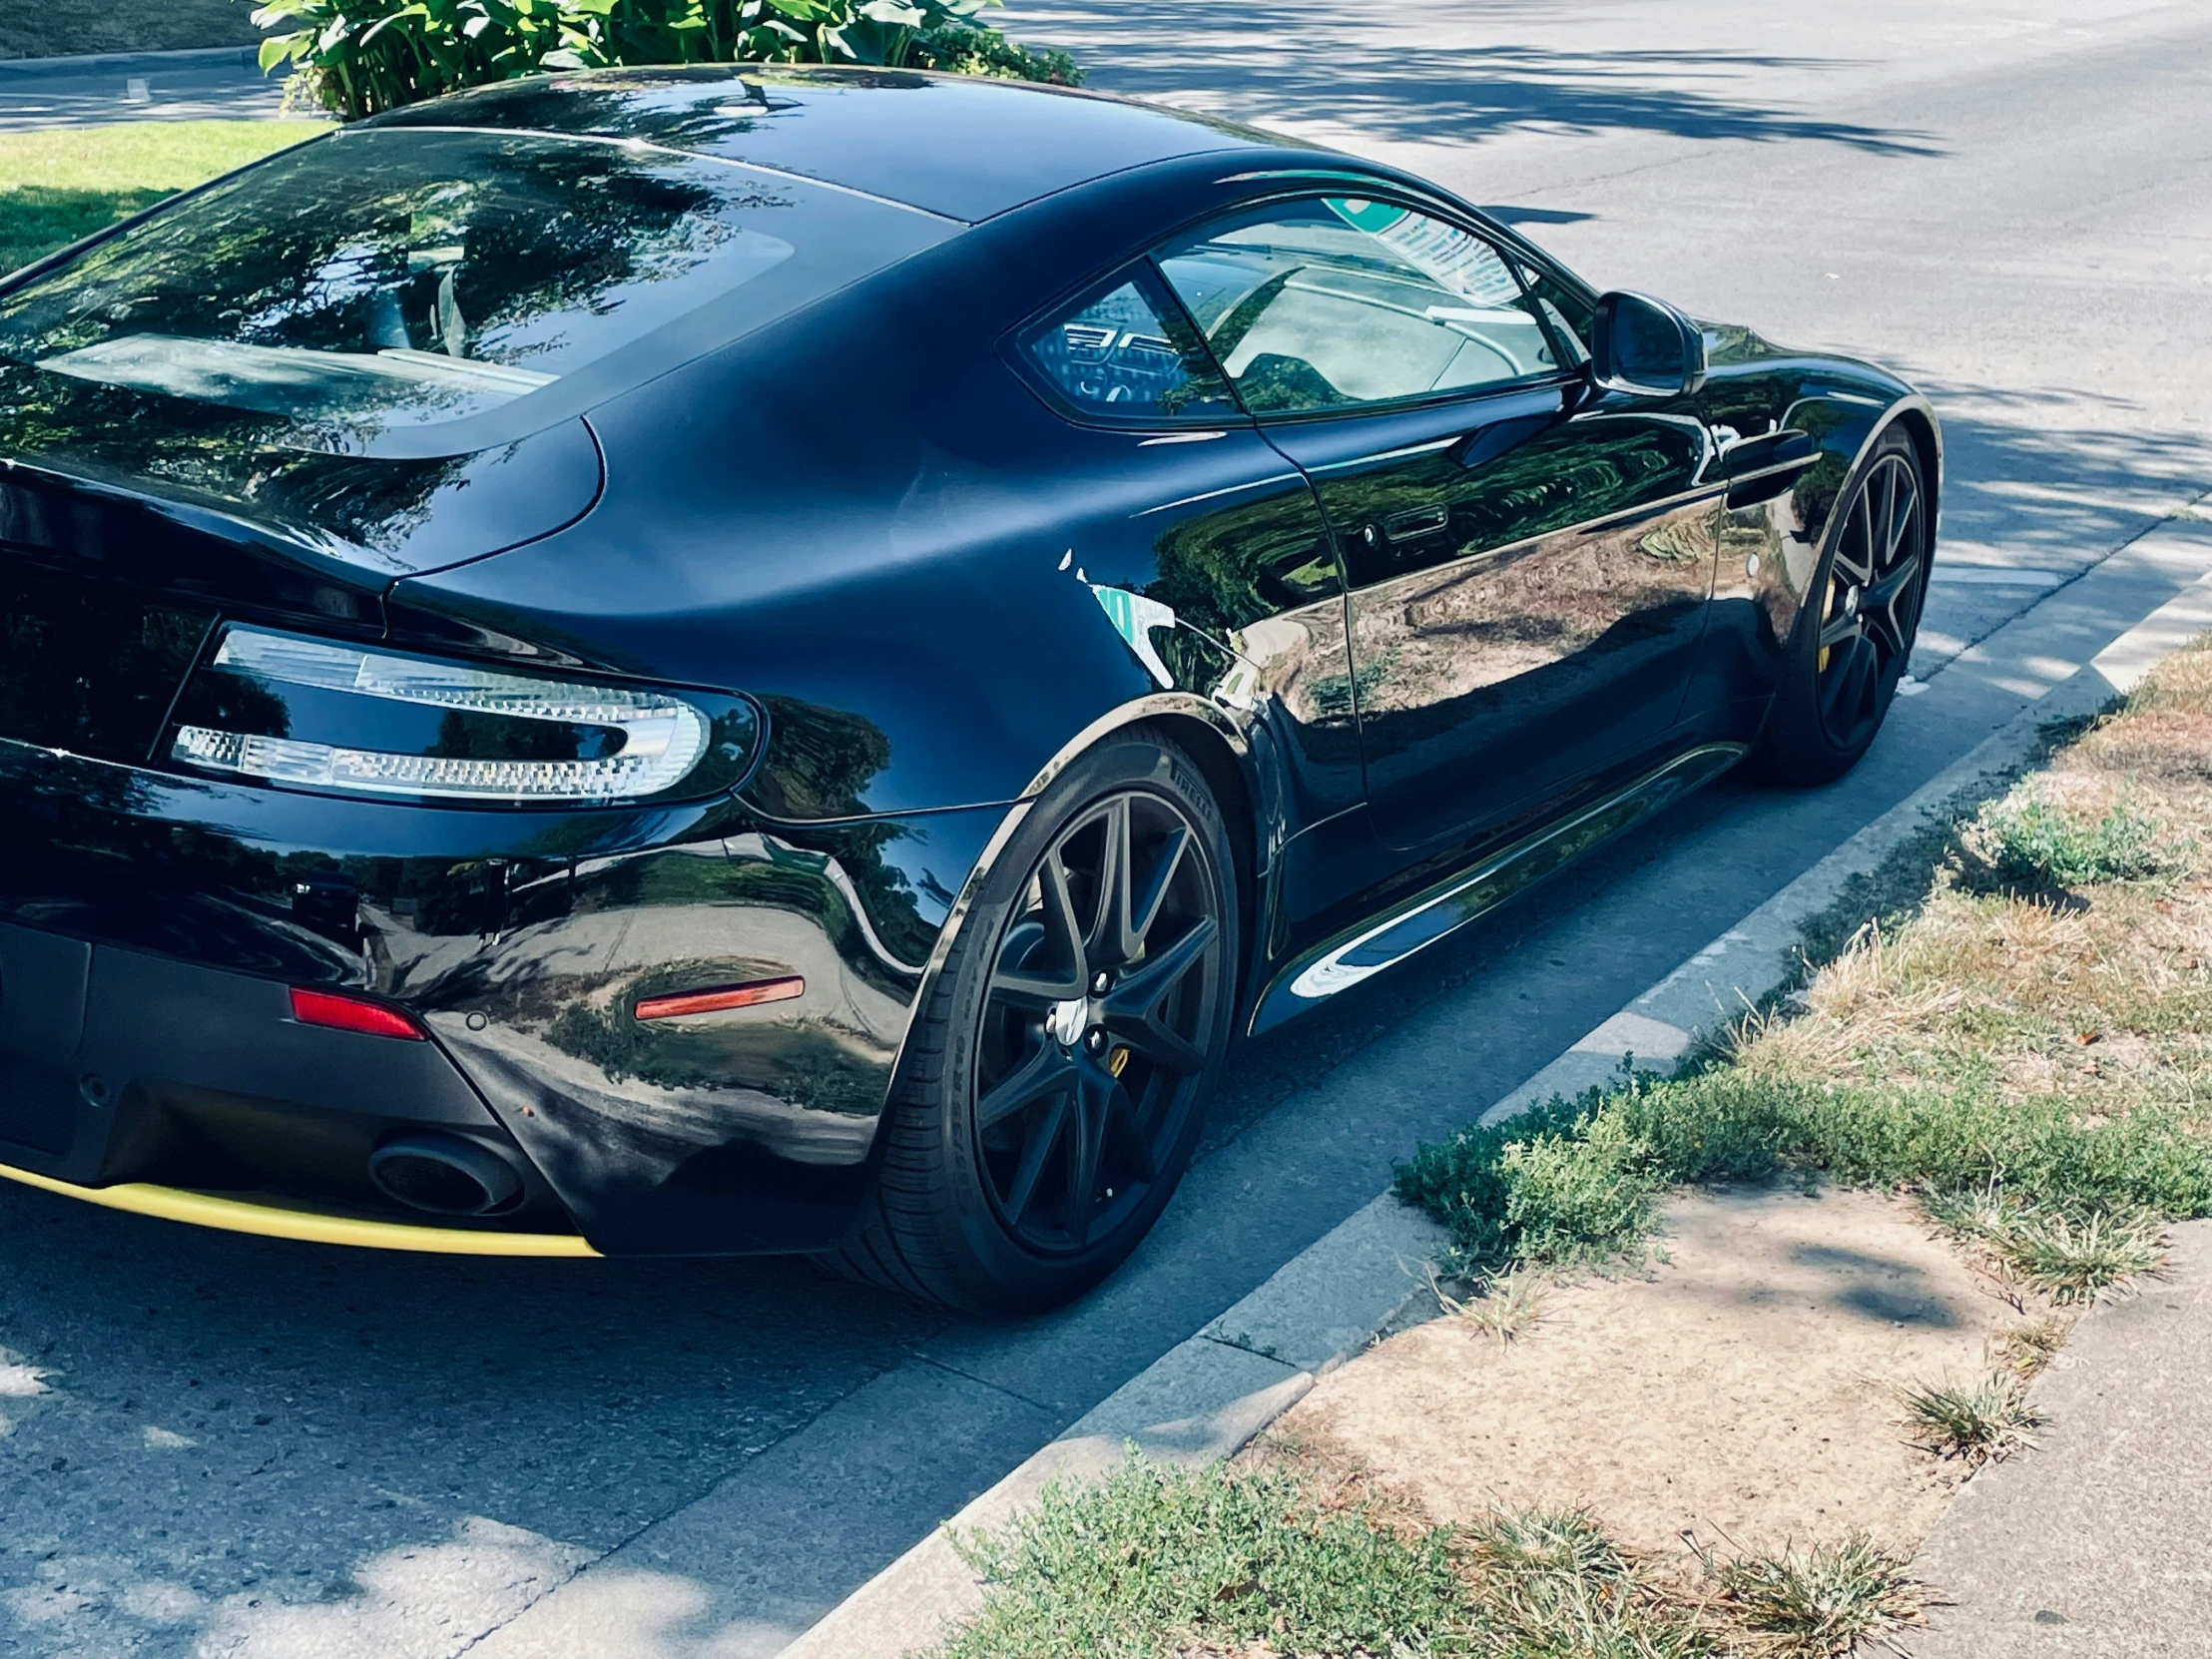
(1371, 217)
(1442, 252)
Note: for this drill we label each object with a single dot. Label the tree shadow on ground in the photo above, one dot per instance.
(2059, 476)
(1295, 62)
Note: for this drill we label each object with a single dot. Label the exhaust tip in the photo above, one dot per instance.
(445, 1175)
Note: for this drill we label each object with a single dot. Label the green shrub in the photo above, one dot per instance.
(361, 56)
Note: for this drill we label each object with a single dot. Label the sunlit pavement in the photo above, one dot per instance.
(225, 1445)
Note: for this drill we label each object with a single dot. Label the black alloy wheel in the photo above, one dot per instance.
(1096, 1021)
(1862, 612)
(1055, 1081)
(1872, 605)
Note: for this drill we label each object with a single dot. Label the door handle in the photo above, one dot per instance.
(1416, 522)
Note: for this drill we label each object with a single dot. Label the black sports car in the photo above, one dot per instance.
(705, 661)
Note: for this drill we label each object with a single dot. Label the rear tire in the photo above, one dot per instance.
(1854, 634)
(1055, 1082)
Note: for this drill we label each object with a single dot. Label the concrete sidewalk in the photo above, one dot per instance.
(2099, 1545)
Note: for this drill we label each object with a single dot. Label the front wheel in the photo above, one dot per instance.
(1856, 634)
(1055, 1082)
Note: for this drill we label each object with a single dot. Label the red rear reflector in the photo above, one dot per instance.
(724, 997)
(353, 1013)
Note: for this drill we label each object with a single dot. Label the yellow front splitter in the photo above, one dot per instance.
(272, 1220)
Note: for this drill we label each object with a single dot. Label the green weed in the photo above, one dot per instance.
(2029, 843)
(1504, 1306)
(1980, 1421)
(1825, 1601)
(2071, 1259)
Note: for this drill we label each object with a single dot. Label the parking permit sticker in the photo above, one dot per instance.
(1442, 252)
(1133, 617)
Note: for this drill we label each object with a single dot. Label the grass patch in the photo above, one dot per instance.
(1155, 1562)
(2070, 1260)
(1980, 1421)
(2029, 1046)
(1551, 1584)
(1268, 1562)
(1573, 1181)
(64, 183)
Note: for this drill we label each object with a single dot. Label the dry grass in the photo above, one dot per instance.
(1823, 1602)
(2027, 1348)
(1504, 1307)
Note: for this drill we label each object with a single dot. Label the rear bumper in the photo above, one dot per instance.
(150, 926)
(272, 1218)
(136, 1075)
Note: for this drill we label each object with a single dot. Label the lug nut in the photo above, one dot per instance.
(1096, 1041)
(1101, 982)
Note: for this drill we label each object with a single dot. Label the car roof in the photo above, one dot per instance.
(957, 146)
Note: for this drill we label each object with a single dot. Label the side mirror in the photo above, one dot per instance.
(1646, 348)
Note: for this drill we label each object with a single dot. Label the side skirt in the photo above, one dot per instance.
(1451, 905)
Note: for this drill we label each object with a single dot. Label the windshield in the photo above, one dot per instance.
(378, 280)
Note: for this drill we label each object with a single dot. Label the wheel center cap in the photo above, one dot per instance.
(1067, 1021)
(1851, 602)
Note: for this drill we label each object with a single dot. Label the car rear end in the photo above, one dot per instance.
(324, 916)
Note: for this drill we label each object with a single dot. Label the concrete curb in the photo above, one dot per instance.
(1210, 1395)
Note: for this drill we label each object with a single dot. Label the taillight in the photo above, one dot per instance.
(314, 714)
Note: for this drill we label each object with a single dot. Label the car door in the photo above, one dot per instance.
(1529, 562)
(1206, 547)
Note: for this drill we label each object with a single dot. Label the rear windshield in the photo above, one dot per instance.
(429, 287)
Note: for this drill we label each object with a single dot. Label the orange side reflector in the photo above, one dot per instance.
(721, 997)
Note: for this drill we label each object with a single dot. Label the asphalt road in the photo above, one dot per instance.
(94, 90)
(211, 1444)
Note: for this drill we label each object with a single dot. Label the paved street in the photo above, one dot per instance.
(143, 86)
(225, 1445)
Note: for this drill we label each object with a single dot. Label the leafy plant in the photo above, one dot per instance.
(358, 56)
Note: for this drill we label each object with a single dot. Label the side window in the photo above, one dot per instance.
(1125, 353)
(1334, 302)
